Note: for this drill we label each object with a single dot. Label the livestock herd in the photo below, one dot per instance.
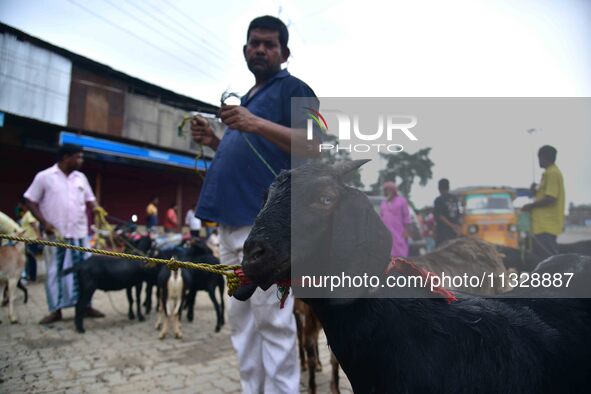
(176, 291)
(532, 340)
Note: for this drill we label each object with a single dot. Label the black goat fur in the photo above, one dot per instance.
(198, 280)
(518, 343)
(109, 274)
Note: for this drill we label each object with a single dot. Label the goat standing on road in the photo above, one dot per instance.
(172, 286)
(198, 280)
(109, 274)
(204, 281)
(309, 328)
(12, 263)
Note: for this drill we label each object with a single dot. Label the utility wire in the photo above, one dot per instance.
(31, 85)
(39, 67)
(178, 28)
(14, 58)
(317, 12)
(194, 22)
(191, 66)
(136, 19)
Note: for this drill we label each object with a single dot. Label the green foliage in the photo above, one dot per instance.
(405, 168)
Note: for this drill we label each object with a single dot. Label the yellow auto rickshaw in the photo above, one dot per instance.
(488, 213)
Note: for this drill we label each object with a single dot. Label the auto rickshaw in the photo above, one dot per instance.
(488, 213)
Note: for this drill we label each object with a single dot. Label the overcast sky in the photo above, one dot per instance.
(512, 48)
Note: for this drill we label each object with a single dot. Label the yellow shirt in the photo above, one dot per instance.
(151, 209)
(29, 224)
(550, 219)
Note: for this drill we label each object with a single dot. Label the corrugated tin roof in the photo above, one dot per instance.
(166, 96)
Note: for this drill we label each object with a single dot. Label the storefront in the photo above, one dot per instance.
(123, 173)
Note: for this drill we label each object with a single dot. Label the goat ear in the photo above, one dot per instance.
(348, 166)
(360, 241)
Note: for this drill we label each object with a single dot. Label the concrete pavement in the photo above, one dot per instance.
(117, 355)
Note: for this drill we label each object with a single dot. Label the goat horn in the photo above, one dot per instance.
(348, 166)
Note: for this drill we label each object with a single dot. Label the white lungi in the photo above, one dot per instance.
(62, 290)
(263, 335)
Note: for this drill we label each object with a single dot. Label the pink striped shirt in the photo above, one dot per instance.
(62, 200)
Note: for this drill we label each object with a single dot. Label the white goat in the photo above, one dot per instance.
(171, 302)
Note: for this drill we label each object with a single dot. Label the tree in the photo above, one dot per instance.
(332, 157)
(406, 167)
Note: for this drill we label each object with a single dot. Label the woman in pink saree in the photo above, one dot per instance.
(396, 216)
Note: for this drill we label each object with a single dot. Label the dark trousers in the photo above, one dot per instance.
(31, 264)
(544, 245)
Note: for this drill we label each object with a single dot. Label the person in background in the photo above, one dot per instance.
(193, 223)
(171, 221)
(19, 211)
(547, 211)
(209, 227)
(30, 226)
(59, 198)
(446, 211)
(428, 228)
(152, 213)
(213, 243)
(396, 216)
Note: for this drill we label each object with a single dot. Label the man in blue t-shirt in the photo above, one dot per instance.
(260, 138)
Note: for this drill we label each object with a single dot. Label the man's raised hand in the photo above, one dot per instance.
(202, 133)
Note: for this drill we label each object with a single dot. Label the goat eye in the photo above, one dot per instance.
(326, 200)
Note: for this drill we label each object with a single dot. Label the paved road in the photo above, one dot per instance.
(121, 356)
(117, 355)
(575, 234)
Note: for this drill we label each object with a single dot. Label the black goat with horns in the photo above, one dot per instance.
(411, 344)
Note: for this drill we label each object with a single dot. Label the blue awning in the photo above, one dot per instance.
(103, 146)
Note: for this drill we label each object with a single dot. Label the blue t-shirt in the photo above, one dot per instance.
(235, 184)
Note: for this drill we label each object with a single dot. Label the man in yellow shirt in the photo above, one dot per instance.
(547, 211)
(152, 213)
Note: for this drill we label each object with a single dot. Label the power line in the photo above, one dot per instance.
(33, 86)
(206, 45)
(191, 66)
(321, 11)
(136, 19)
(193, 22)
(30, 64)
(35, 66)
(39, 67)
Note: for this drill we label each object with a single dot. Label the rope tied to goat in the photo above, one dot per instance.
(233, 273)
(405, 267)
(235, 276)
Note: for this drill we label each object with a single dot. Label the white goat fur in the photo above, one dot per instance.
(171, 311)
